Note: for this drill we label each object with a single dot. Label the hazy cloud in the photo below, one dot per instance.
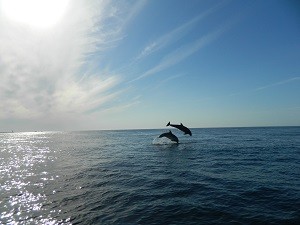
(45, 72)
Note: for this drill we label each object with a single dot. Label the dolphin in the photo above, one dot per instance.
(184, 129)
(169, 135)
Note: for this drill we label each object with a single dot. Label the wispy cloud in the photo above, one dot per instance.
(177, 33)
(294, 79)
(122, 107)
(44, 73)
(183, 52)
(115, 18)
(162, 82)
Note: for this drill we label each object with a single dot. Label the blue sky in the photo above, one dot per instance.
(141, 64)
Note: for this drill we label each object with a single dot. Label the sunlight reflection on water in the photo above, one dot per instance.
(24, 159)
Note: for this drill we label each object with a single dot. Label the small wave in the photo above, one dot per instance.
(253, 139)
(188, 142)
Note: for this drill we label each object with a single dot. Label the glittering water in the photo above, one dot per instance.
(217, 176)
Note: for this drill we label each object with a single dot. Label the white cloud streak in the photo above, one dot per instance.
(177, 33)
(42, 71)
(168, 79)
(294, 79)
(182, 53)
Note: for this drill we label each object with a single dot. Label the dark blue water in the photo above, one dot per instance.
(217, 176)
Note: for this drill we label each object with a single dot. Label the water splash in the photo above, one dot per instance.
(163, 141)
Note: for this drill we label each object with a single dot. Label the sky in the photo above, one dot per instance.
(93, 65)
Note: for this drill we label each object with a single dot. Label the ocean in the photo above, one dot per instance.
(216, 176)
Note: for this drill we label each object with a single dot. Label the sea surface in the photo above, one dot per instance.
(216, 176)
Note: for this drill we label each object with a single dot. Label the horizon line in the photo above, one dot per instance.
(124, 129)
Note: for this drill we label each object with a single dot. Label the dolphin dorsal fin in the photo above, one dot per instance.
(181, 124)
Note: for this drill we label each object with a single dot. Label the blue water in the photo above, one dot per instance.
(217, 176)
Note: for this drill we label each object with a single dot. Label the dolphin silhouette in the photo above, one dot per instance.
(169, 135)
(184, 129)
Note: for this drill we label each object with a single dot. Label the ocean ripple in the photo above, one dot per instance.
(217, 176)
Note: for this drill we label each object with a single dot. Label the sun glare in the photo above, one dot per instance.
(35, 13)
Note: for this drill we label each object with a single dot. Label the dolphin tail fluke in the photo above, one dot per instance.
(168, 124)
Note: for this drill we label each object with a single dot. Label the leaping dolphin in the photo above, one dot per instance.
(169, 135)
(184, 129)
